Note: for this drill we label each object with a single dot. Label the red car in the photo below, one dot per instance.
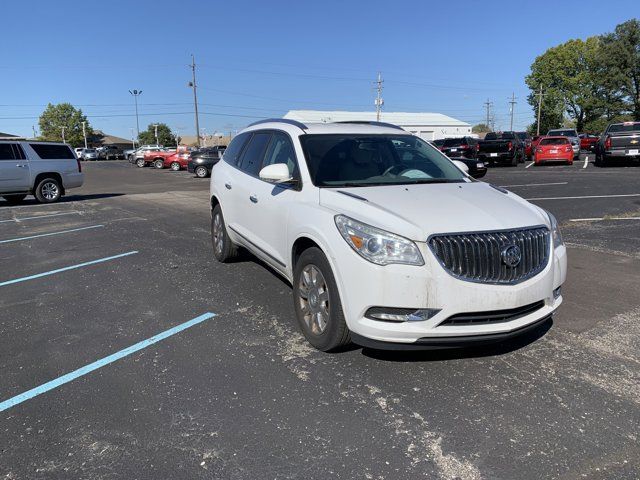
(553, 149)
(588, 141)
(155, 158)
(177, 161)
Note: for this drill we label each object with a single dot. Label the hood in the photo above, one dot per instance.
(418, 211)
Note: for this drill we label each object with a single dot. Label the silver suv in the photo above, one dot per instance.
(45, 170)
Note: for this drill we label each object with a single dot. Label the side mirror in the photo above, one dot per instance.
(275, 173)
(461, 165)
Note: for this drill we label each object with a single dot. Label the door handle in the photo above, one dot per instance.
(228, 186)
(253, 198)
(20, 165)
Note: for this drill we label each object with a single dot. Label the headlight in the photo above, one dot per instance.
(199, 160)
(555, 231)
(376, 245)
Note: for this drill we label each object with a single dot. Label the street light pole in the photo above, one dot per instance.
(136, 94)
(84, 133)
(155, 126)
(133, 142)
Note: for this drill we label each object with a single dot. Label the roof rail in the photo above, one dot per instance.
(295, 123)
(378, 124)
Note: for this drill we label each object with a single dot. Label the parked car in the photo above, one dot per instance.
(109, 152)
(525, 138)
(89, 154)
(177, 161)
(385, 241)
(466, 147)
(45, 170)
(571, 134)
(202, 161)
(78, 152)
(588, 142)
(140, 151)
(438, 143)
(619, 140)
(501, 147)
(553, 149)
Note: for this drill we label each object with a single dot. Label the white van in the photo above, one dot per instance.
(45, 170)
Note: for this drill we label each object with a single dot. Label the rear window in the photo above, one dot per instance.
(500, 136)
(562, 133)
(454, 142)
(625, 127)
(52, 152)
(554, 141)
(522, 135)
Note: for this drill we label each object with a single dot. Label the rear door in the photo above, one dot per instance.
(14, 168)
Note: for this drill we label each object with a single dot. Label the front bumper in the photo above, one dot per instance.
(364, 285)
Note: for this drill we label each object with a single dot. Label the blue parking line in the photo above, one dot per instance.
(72, 267)
(50, 234)
(45, 387)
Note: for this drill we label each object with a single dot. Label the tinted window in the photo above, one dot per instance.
(454, 142)
(6, 152)
(19, 152)
(358, 160)
(554, 141)
(232, 153)
(500, 136)
(253, 154)
(562, 133)
(52, 152)
(491, 136)
(625, 127)
(280, 150)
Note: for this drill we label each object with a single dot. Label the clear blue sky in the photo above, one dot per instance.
(259, 59)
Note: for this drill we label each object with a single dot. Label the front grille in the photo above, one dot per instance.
(495, 316)
(480, 257)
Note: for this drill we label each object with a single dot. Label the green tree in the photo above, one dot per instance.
(568, 75)
(165, 136)
(620, 61)
(481, 128)
(55, 117)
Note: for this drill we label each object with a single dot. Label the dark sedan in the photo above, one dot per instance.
(202, 161)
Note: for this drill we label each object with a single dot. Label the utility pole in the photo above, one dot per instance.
(136, 94)
(193, 85)
(133, 142)
(33, 127)
(379, 102)
(540, 95)
(63, 140)
(488, 104)
(155, 127)
(512, 102)
(84, 134)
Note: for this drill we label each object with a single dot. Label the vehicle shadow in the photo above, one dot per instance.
(65, 199)
(439, 355)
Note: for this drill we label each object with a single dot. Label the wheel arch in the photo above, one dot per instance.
(43, 175)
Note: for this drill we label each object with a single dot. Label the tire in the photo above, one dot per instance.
(14, 199)
(201, 172)
(140, 163)
(48, 190)
(223, 248)
(175, 166)
(158, 164)
(514, 161)
(317, 302)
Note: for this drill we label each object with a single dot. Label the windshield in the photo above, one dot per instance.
(625, 127)
(562, 133)
(352, 160)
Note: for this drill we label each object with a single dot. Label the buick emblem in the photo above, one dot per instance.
(511, 255)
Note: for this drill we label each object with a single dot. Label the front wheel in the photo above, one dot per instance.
(223, 248)
(140, 163)
(317, 302)
(175, 166)
(202, 172)
(48, 190)
(14, 199)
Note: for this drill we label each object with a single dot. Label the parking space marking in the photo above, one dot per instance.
(529, 164)
(534, 184)
(50, 234)
(64, 269)
(600, 219)
(39, 216)
(586, 161)
(45, 387)
(585, 196)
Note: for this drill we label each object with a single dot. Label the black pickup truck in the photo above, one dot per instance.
(619, 141)
(501, 147)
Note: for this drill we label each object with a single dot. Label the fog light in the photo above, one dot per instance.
(401, 314)
(557, 292)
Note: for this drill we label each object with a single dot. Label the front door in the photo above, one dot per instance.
(14, 169)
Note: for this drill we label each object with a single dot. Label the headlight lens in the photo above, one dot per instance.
(376, 245)
(555, 231)
(199, 160)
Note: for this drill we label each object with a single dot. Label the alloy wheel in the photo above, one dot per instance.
(50, 191)
(313, 297)
(218, 234)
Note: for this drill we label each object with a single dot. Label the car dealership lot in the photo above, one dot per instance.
(241, 395)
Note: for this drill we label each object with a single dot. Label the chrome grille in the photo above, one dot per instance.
(478, 256)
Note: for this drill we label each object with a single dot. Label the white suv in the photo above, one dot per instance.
(385, 240)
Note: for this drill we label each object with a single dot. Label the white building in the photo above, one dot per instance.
(429, 126)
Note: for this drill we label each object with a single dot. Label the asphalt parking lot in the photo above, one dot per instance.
(232, 390)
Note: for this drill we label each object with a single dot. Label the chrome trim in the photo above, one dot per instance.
(476, 256)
